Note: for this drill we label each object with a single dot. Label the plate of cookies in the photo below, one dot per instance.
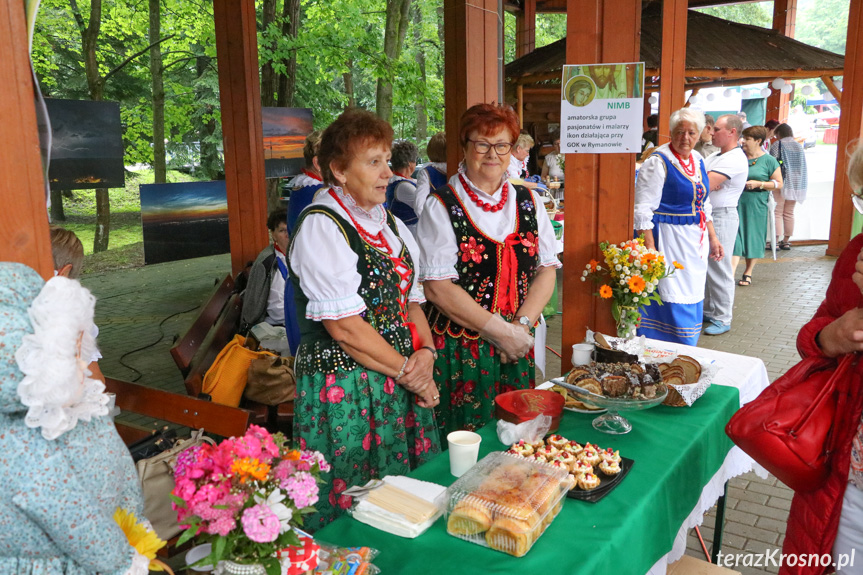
(571, 403)
(595, 471)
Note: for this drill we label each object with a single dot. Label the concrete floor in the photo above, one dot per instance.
(141, 311)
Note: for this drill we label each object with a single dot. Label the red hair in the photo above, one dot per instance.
(487, 120)
(353, 129)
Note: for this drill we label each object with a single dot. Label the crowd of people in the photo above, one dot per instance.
(708, 212)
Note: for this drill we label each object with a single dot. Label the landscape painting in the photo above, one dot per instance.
(184, 220)
(285, 131)
(86, 145)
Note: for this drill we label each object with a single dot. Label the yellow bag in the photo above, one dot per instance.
(226, 379)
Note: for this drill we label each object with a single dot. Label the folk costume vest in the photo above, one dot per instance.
(682, 199)
(436, 178)
(496, 274)
(380, 291)
(300, 199)
(401, 210)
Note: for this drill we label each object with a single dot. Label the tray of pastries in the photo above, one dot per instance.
(615, 386)
(506, 502)
(595, 471)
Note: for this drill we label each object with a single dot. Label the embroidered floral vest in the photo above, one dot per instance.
(682, 199)
(482, 260)
(379, 289)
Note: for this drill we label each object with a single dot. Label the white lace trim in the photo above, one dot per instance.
(377, 214)
(140, 565)
(335, 308)
(57, 387)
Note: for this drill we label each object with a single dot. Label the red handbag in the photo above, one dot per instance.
(788, 427)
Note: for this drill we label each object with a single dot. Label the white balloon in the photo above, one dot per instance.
(711, 97)
(765, 92)
(787, 89)
(653, 99)
(778, 83)
(806, 90)
(693, 99)
(727, 93)
(746, 94)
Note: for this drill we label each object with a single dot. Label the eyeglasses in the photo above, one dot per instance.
(501, 148)
(857, 199)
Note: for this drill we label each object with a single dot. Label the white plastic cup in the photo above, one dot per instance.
(463, 451)
(582, 353)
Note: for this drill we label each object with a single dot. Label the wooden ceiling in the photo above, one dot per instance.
(559, 6)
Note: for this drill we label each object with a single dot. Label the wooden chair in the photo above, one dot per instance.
(195, 352)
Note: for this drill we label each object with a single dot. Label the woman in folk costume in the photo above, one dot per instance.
(64, 471)
(488, 261)
(672, 210)
(365, 391)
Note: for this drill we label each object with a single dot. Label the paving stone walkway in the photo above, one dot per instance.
(140, 312)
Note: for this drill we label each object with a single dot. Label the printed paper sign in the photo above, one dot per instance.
(601, 108)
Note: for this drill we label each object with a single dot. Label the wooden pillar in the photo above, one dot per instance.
(850, 129)
(24, 218)
(525, 29)
(600, 188)
(784, 21)
(472, 70)
(672, 71)
(240, 96)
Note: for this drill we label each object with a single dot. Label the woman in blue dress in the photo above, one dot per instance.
(64, 470)
(672, 210)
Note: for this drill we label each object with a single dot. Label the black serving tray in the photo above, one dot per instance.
(607, 483)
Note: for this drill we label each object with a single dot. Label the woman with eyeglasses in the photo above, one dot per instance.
(830, 518)
(673, 212)
(487, 263)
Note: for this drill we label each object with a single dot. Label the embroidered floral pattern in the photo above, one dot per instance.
(471, 251)
(531, 242)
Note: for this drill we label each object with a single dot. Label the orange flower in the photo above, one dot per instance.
(605, 292)
(248, 467)
(647, 258)
(292, 455)
(593, 264)
(636, 284)
(678, 265)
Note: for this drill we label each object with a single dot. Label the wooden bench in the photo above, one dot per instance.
(197, 349)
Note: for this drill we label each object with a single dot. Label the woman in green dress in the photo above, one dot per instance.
(765, 176)
(488, 265)
(365, 391)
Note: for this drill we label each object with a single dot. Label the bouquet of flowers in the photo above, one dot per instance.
(246, 495)
(629, 278)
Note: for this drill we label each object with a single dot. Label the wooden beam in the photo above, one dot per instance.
(472, 70)
(850, 129)
(240, 96)
(673, 64)
(24, 234)
(784, 22)
(599, 187)
(834, 90)
(525, 29)
(520, 108)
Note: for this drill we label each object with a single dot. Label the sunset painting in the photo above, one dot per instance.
(185, 220)
(285, 131)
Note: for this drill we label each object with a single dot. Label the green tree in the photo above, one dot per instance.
(824, 24)
(755, 14)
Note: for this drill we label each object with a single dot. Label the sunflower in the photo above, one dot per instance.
(145, 541)
(605, 292)
(636, 284)
(678, 265)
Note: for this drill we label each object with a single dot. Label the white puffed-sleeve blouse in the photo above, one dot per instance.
(439, 248)
(326, 264)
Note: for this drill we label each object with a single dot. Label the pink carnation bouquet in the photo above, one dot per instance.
(246, 495)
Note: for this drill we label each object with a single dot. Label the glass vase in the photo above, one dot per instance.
(228, 567)
(627, 321)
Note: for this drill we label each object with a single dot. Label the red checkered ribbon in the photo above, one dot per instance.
(302, 559)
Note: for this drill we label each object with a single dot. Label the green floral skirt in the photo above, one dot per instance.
(469, 374)
(366, 425)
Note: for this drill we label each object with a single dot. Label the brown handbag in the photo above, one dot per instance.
(789, 427)
(271, 380)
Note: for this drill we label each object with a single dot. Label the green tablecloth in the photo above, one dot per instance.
(676, 452)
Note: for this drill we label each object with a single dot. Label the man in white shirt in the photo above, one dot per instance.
(727, 170)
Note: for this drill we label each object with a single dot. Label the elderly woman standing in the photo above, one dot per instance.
(673, 212)
(488, 261)
(364, 366)
(765, 176)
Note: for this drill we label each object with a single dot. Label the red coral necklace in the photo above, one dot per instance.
(376, 241)
(688, 169)
(486, 207)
